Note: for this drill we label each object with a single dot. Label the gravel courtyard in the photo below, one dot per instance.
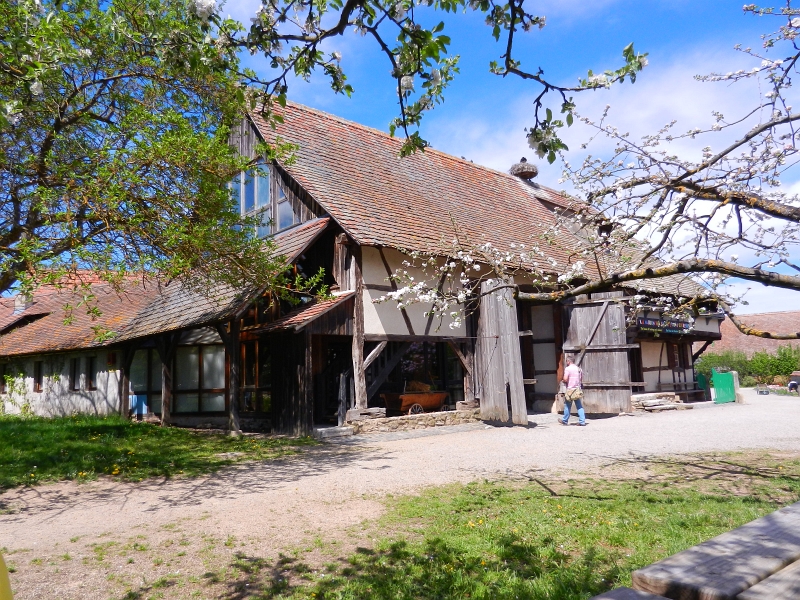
(51, 532)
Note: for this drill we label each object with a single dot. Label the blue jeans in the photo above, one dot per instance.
(568, 408)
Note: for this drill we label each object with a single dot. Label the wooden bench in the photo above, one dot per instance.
(687, 389)
(626, 593)
(727, 566)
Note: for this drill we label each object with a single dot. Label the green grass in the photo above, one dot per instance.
(33, 450)
(538, 540)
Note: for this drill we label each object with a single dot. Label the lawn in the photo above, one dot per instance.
(534, 540)
(33, 449)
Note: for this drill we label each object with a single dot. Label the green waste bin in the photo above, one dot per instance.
(724, 388)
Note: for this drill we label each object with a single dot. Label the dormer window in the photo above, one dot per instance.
(252, 191)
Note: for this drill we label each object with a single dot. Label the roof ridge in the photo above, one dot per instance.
(464, 161)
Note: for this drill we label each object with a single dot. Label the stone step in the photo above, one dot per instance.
(727, 565)
(661, 407)
(324, 433)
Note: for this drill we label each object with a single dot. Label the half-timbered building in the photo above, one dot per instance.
(349, 205)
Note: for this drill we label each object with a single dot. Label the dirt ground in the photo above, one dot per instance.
(185, 538)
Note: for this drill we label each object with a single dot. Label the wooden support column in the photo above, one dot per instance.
(166, 351)
(466, 359)
(126, 360)
(305, 421)
(558, 334)
(358, 331)
(229, 332)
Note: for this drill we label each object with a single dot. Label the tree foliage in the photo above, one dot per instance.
(762, 366)
(115, 117)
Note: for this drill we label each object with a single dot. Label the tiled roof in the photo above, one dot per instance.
(293, 242)
(775, 322)
(139, 309)
(176, 307)
(300, 317)
(356, 175)
(50, 333)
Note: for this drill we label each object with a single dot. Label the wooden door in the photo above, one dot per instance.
(596, 337)
(498, 361)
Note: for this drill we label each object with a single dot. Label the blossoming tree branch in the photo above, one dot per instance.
(646, 209)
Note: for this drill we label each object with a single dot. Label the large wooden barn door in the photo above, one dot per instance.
(498, 361)
(596, 337)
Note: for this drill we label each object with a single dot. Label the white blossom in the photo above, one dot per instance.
(37, 89)
(203, 8)
(407, 83)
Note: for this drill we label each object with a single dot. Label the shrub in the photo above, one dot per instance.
(748, 381)
(762, 366)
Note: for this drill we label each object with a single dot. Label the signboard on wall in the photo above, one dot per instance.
(671, 326)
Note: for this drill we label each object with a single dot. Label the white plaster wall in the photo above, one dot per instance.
(651, 352)
(385, 318)
(710, 324)
(56, 397)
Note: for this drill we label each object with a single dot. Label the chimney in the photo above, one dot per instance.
(524, 170)
(22, 302)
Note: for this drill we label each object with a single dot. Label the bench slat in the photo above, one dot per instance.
(784, 584)
(723, 567)
(626, 593)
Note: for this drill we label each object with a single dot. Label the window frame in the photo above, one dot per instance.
(91, 373)
(38, 376)
(75, 374)
(240, 196)
(200, 391)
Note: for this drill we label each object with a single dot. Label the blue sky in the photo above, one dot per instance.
(484, 116)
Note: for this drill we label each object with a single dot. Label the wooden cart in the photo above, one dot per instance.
(414, 403)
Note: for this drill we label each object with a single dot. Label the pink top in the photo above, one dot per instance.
(573, 375)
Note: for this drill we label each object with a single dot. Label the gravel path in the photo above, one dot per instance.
(339, 485)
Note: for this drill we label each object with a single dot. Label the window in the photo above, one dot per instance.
(145, 377)
(75, 374)
(199, 379)
(286, 216)
(250, 192)
(91, 373)
(256, 383)
(37, 375)
(3, 384)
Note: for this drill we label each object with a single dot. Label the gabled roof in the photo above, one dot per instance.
(356, 174)
(293, 242)
(302, 316)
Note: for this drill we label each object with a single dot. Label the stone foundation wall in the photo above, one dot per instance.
(409, 422)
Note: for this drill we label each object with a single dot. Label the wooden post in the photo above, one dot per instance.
(230, 337)
(166, 351)
(126, 360)
(305, 419)
(500, 357)
(358, 332)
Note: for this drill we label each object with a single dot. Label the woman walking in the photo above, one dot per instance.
(573, 377)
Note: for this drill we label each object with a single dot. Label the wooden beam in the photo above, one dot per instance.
(391, 363)
(166, 351)
(361, 397)
(376, 352)
(231, 340)
(126, 360)
(588, 348)
(593, 331)
(702, 349)
(467, 364)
